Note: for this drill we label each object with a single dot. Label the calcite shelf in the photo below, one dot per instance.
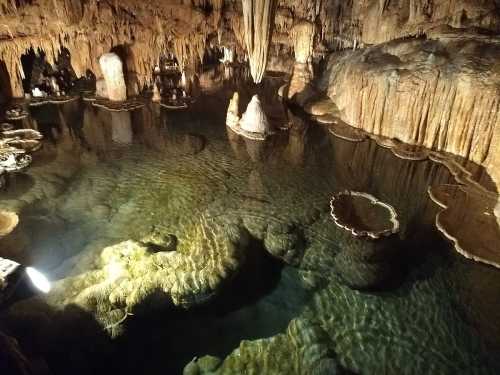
(468, 219)
(363, 215)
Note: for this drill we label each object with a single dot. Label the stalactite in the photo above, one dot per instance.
(259, 19)
(189, 50)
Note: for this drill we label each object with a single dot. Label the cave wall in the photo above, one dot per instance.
(441, 93)
(89, 28)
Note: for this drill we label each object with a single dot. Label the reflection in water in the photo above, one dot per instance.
(121, 127)
(255, 211)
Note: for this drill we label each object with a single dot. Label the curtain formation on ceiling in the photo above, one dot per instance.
(258, 18)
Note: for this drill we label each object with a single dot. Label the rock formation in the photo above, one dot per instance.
(453, 106)
(259, 22)
(8, 222)
(112, 69)
(232, 117)
(302, 75)
(254, 120)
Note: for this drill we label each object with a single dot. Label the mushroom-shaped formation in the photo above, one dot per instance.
(14, 160)
(16, 113)
(469, 219)
(363, 215)
(8, 222)
(369, 250)
(232, 117)
(254, 120)
(28, 140)
(112, 70)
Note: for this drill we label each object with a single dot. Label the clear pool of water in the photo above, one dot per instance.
(264, 280)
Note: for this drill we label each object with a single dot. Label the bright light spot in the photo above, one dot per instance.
(115, 271)
(38, 279)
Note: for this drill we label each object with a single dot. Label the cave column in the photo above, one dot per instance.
(302, 76)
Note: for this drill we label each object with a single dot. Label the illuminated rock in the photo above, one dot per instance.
(254, 120)
(156, 94)
(8, 222)
(232, 117)
(112, 70)
(300, 89)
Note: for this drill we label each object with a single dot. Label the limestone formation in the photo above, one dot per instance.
(363, 215)
(375, 90)
(468, 220)
(302, 349)
(8, 222)
(254, 120)
(302, 75)
(259, 22)
(112, 70)
(156, 94)
(232, 117)
(129, 274)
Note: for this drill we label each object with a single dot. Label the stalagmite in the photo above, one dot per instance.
(232, 117)
(156, 94)
(112, 69)
(258, 19)
(254, 120)
(302, 76)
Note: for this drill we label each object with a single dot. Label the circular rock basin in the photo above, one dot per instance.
(363, 215)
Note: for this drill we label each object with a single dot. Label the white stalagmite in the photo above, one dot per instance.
(232, 117)
(112, 70)
(258, 19)
(156, 93)
(254, 120)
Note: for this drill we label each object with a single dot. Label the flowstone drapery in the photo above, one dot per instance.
(258, 17)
